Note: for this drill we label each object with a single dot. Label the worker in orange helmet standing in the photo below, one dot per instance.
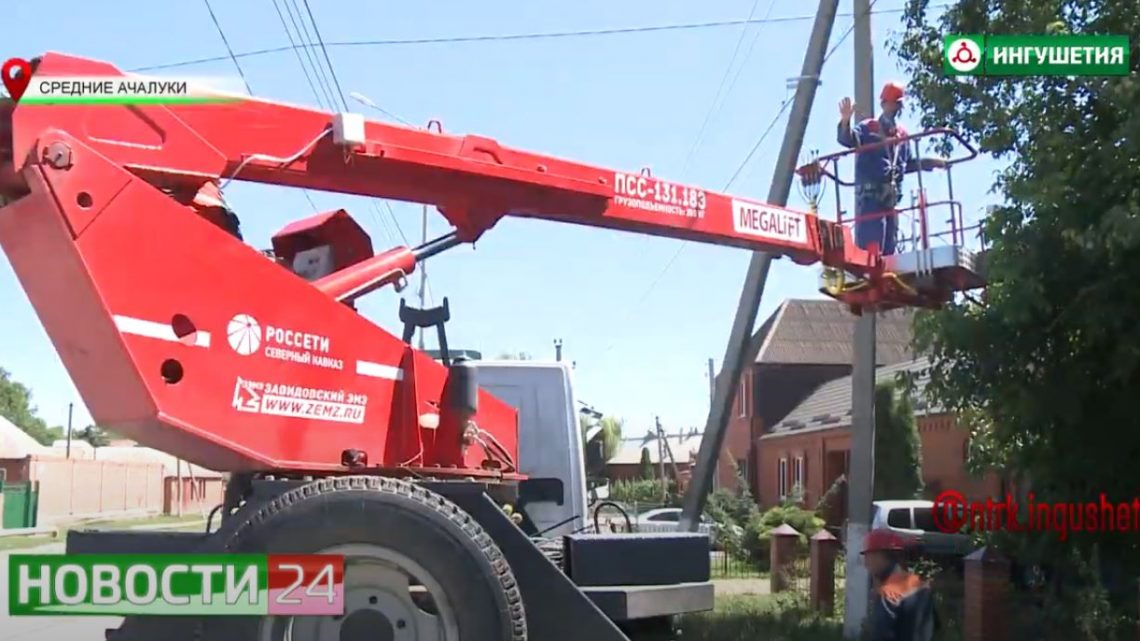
(903, 607)
(879, 171)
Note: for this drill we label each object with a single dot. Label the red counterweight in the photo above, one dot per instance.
(178, 334)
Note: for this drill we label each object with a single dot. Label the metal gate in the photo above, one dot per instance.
(20, 504)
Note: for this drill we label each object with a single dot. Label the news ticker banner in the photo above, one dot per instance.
(1035, 55)
(175, 585)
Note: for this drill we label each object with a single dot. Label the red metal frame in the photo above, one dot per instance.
(179, 335)
(828, 167)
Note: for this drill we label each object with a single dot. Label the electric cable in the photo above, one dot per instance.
(325, 51)
(313, 57)
(513, 37)
(296, 50)
(768, 130)
(717, 103)
(344, 101)
(241, 73)
(619, 508)
(304, 53)
(226, 42)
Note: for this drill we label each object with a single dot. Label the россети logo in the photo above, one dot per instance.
(1035, 55)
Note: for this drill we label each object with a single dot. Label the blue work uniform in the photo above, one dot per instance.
(878, 182)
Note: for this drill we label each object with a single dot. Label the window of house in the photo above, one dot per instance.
(798, 474)
(782, 478)
(742, 400)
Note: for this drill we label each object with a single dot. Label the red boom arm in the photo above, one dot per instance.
(181, 336)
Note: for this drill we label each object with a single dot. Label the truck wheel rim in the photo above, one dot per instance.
(387, 597)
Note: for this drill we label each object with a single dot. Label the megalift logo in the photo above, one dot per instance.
(246, 337)
(1035, 55)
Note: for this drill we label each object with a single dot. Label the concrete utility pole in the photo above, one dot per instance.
(742, 344)
(712, 380)
(70, 410)
(861, 475)
(661, 459)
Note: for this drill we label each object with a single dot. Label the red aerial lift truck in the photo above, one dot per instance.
(338, 436)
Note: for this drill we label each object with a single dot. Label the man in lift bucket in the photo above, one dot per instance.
(879, 171)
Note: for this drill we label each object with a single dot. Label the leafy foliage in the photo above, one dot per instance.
(757, 541)
(735, 506)
(610, 434)
(95, 435)
(898, 449)
(730, 512)
(1044, 371)
(16, 406)
(640, 491)
(645, 467)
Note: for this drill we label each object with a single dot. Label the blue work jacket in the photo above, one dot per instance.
(878, 172)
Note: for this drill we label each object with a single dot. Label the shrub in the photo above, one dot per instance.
(756, 542)
(641, 491)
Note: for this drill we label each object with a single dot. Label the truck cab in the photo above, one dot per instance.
(550, 439)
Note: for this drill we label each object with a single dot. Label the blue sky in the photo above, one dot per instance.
(640, 334)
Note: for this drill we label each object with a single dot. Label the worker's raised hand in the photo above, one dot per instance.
(846, 109)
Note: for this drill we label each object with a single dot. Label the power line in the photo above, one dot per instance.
(226, 42)
(325, 51)
(336, 82)
(237, 65)
(716, 103)
(549, 35)
(296, 50)
(771, 126)
(303, 35)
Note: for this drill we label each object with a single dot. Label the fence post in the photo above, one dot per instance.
(824, 546)
(783, 553)
(986, 596)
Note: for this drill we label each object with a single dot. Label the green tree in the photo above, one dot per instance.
(646, 465)
(95, 435)
(610, 434)
(1044, 370)
(898, 449)
(16, 406)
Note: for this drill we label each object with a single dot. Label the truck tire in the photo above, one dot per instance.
(376, 522)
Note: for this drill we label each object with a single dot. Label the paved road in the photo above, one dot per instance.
(46, 628)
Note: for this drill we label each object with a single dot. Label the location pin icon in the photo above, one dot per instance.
(16, 73)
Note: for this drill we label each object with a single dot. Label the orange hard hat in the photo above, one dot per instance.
(885, 540)
(209, 195)
(892, 92)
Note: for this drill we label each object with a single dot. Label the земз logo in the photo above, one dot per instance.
(1035, 55)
